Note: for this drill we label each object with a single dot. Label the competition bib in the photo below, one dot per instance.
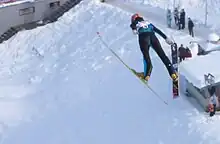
(142, 24)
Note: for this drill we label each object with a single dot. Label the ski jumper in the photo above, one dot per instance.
(147, 38)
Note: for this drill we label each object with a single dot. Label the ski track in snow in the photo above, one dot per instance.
(153, 14)
(60, 79)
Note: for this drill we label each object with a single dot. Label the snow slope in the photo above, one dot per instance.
(192, 69)
(59, 84)
(194, 8)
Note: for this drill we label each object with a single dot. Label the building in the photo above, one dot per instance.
(18, 14)
(200, 73)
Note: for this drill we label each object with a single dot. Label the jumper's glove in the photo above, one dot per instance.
(169, 41)
(135, 32)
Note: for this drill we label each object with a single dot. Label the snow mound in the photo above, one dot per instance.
(213, 37)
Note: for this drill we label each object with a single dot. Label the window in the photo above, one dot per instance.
(26, 11)
(55, 4)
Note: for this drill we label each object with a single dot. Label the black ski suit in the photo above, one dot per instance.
(182, 19)
(146, 34)
(190, 27)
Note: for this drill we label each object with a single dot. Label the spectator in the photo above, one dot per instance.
(176, 16)
(201, 51)
(190, 27)
(181, 52)
(169, 18)
(179, 24)
(184, 53)
(174, 53)
(212, 101)
(182, 19)
(188, 53)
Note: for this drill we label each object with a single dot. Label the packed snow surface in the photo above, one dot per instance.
(196, 9)
(60, 84)
(195, 69)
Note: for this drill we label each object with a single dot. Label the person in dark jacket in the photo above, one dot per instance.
(181, 53)
(182, 18)
(190, 27)
(184, 53)
(147, 38)
(179, 24)
(176, 16)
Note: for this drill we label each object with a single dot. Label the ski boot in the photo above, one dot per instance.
(174, 76)
(141, 75)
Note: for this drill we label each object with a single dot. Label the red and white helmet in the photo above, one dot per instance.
(134, 16)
